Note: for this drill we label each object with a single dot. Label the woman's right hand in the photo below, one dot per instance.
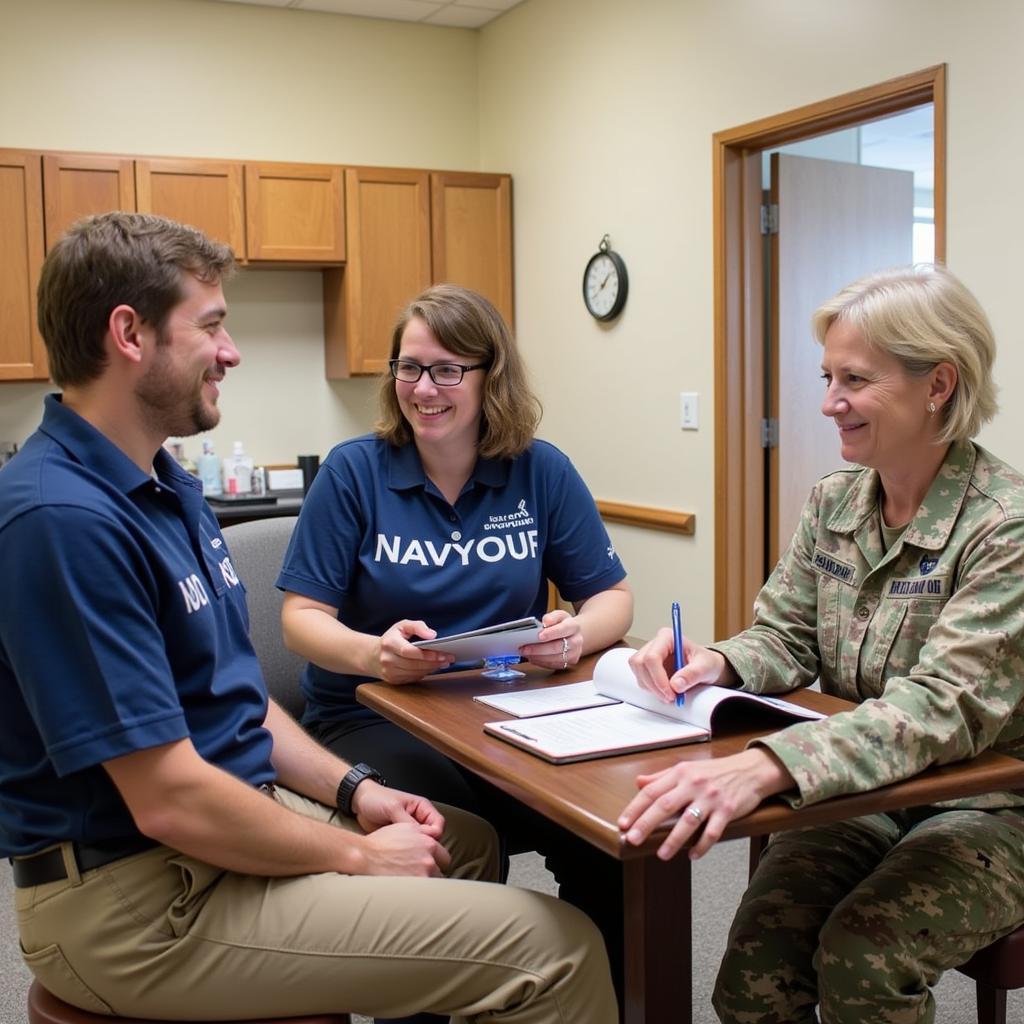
(398, 661)
(654, 667)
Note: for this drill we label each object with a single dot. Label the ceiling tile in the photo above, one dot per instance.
(459, 16)
(262, 3)
(491, 5)
(400, 10)
(450, 13)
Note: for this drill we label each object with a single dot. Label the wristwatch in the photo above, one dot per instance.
(347, 786)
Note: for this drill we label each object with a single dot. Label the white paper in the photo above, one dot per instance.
(563, 722)
(546, 700)
(617, 728)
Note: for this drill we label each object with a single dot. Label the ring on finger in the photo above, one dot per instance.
(565, 652)
(695, 812)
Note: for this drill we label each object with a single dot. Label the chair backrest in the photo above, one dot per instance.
(257, 551)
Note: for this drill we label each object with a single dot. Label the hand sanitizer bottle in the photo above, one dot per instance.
(208, 466)
(238, 468)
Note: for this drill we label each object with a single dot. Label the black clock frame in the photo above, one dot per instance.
(620, 299)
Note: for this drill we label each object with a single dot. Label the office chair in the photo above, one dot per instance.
(257, 551)
(996, 969)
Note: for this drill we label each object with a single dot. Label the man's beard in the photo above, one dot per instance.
(171, 411)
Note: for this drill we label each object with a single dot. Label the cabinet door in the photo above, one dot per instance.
(472, 234)
(293, 213)
(388, 215)
(22, 355)
(78, 184)
(204, 193)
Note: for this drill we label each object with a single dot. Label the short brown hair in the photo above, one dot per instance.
(466, 324)
(924, 315)
(132, 259)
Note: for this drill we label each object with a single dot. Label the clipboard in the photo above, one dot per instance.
(499, 641)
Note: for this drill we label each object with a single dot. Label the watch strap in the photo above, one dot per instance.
(348, 784)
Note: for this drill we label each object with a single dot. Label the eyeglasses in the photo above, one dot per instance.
(445, 375)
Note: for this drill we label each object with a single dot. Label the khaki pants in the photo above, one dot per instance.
(163, 935)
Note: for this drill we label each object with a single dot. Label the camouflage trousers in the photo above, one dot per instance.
(860, 918)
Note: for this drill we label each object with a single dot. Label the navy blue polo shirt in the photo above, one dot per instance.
(379, 542)
(122, 627)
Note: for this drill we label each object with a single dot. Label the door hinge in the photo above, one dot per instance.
(770, 433)
(770, 219)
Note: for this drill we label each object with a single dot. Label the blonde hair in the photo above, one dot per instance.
(923, 315)
(466, 324)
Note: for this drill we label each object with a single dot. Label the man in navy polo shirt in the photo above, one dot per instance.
(180, 847)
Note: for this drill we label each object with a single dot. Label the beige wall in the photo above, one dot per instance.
(191, 78)
(604, 113)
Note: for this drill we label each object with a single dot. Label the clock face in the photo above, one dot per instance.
(604, 285)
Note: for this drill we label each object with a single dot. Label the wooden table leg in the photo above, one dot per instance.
(659, 963)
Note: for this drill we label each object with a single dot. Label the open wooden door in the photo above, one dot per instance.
(741, 539)
(836, 222)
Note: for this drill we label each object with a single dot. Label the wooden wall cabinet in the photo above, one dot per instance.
(208, 194)
(22, 354)
(76, 185)
(294, 213)
(388, 217)
(471, 225)
(400, 230)
(408, 229)
(204, 193)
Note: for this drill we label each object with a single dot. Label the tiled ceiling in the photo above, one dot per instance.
(450, 13)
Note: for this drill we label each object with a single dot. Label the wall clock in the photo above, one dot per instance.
(605, 283)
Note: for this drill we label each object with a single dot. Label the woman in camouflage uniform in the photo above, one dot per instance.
(902, 590)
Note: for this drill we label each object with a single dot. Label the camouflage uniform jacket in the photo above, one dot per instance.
(928, 637)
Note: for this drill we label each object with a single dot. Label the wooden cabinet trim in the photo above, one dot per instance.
(35, 366)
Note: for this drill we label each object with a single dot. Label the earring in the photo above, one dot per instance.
(931, 407)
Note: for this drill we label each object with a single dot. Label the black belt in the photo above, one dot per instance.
(48, 866)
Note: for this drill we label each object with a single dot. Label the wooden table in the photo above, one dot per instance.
(588, 796)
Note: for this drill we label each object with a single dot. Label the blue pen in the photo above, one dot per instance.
(677, 641)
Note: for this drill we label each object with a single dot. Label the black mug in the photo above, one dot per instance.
(310, 465)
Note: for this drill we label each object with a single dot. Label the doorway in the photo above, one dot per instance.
(744, 539)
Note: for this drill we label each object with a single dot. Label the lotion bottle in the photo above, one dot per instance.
(208, 467)
(238, 468)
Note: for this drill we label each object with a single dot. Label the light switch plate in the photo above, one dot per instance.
(689, 410)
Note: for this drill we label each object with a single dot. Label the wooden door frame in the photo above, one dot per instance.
(739, 311)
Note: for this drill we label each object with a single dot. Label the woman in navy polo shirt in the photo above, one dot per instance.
(451, 516)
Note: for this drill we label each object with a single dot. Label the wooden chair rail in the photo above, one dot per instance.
(646, 516)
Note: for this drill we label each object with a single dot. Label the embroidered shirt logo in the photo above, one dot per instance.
(227, 571)
(927, 564)
(216, 543)
(510, 520)
(425, 552)
(194, 593)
